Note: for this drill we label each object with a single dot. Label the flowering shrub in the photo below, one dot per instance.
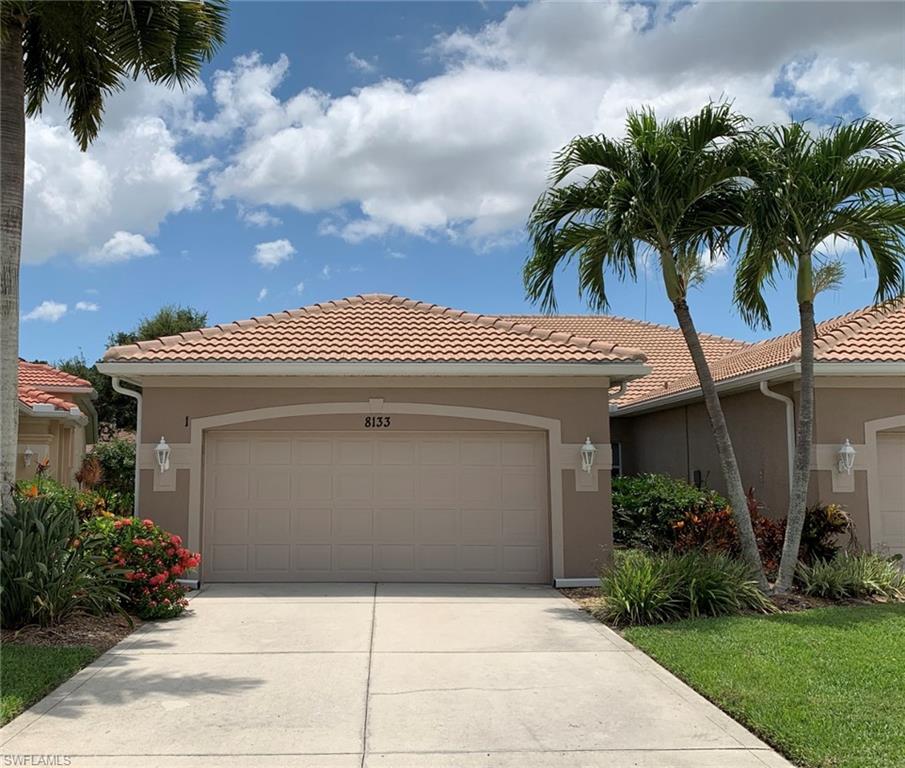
(152, 560)
(85, 503)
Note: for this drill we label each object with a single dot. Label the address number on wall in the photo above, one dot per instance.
(377, 422)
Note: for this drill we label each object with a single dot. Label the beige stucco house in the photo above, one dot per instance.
(56, 421)
(379, 438)
(659, 423)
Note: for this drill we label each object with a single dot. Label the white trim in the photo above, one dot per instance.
(552, 427)
(53, 413)
(628, 369)
(117, 387)
(566, 583)
(872, 458)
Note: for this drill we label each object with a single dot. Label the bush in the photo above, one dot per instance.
(85, 503)
(652, 588)
(853, 576)
(50, 570)
(152, 559)
(823, 525)
(645, 507)
(117, 460)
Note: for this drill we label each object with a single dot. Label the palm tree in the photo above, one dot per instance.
(83, 51)
(670, 190)
(846, 184)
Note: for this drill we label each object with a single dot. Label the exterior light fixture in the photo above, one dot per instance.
(27, 455)
(163, 455)
(846, 458)
(588, 452)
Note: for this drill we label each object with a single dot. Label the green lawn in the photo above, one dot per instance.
(825, 686)
(27, 673)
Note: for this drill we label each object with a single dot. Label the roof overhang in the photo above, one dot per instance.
(779, 373)
(136, 371)
(53, 413)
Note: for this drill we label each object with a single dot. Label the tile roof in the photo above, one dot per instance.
(663, 345)
(868, 335)
(35, 378)
(377, 328)
(46, 376)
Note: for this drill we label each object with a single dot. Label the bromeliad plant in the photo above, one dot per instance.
(152, 560)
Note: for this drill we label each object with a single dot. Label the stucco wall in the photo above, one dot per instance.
(582, 411)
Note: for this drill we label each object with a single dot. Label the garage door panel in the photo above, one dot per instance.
(888, 521)
(469, 506)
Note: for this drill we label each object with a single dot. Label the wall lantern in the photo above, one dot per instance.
(588, 452)
(27, 455)
(846, 458)
(163, 455)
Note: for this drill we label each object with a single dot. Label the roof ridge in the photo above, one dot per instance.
(496, 321)
(636, 321)
(852, 323)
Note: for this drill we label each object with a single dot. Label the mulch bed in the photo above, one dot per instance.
(587, 597)
(98, 632)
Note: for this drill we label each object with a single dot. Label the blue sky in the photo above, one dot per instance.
(339, 148)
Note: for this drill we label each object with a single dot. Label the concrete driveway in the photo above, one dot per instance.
(343, 675)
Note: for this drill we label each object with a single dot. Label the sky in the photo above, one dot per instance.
(331, 149)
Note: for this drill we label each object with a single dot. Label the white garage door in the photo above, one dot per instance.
(889, 536)
(376, 507)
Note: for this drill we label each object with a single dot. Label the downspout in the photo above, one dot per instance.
(790, 424)
(118, 387)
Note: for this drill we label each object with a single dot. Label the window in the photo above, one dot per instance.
(617, 459)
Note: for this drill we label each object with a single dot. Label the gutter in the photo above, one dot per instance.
(72, 415)
(118, 387)
(790, 423)
(611, 396)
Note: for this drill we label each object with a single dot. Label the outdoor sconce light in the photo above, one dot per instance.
(588, 452)
(846, 457)
(163, 455)
(27, 455)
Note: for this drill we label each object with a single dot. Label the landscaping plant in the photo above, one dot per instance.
(853, 576)
(85, 503)
(51, 569)
(152, 560)
(644, 588)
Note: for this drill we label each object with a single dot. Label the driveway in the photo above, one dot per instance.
(343, 675)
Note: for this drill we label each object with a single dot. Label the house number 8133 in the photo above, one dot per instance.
(377, 422)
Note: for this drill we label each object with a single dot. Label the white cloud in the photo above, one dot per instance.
(272, 254)
(130, 179)
(122, 246)
(464, 154)
(262, 294)
(326, 272)
(396, 254)
(300, 288)
(87, 306)
(360, 64)
(258, 217)
(49, 311)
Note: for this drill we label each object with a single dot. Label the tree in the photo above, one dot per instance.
(847, 184)
(83, 51)
(670, 189)
(116, 411)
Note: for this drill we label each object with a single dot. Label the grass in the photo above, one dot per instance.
(28, 673)
(824, 686)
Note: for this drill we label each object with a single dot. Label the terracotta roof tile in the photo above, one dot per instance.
(42, 375)
(663, 345)
(378, 328)
(32, 396)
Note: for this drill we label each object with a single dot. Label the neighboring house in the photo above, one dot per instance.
(379, 438)
(56, 421)
(659, 424)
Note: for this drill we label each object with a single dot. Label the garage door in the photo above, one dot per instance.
(376, 507)
(890, 520)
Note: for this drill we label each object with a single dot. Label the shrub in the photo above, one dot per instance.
(152, 559)
(645, 507)
(50, 570)
(853, 576)
(85, 503)
(646, 588)
(117, 460)
(823, 525)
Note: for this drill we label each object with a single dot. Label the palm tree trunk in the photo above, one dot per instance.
(804, 439)
(12, 180)
(728, 464)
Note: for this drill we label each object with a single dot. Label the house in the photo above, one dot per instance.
(379, 438)
(56, 421)
(659, 423)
